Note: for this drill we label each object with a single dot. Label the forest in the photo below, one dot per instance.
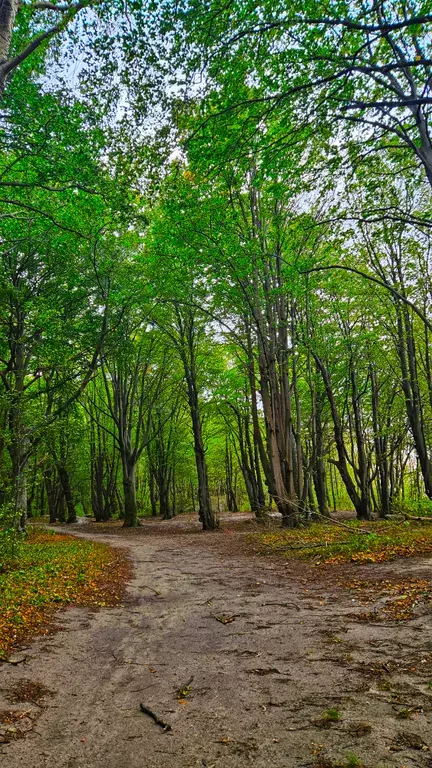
(220, 291)
(216, 272)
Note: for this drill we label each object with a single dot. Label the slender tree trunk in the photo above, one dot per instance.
(152, 491)
(206, 515)
(318, 465)
(129, 494)
(341, 462)
(364, 511)
(407, 357)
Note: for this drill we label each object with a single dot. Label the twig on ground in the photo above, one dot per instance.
(145, 586)
(161, 723)
(417, 519)
(285, 605)
(343, 525)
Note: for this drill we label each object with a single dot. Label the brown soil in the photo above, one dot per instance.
(250, 660)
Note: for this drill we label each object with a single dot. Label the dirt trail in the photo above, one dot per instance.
(261, 681)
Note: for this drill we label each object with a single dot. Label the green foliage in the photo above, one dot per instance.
(55, 570)
(276, 263)
(332, 715)
(11, 538)
(414, 507)
(352, 761)
(328, 543)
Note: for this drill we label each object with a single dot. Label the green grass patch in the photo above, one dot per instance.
(332, 715)
(328, 543)
(51, 571)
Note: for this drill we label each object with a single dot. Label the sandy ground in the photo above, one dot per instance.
(290, 650)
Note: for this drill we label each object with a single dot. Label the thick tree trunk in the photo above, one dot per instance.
(19, 461)
(67, 493)
(20, 486)
(164, 500)
(61, 507)
(206, 514)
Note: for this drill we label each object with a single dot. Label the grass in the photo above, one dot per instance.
(327, 543)
(328, 718)
(332, 715)
(350, 761)
(55, 570)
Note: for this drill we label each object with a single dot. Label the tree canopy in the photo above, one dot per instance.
(215, 259)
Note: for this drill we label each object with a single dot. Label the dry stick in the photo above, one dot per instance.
(285, 605)
(158, 721)
(344, 525)
(145, 586)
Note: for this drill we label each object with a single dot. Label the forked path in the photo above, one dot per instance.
(261, 650)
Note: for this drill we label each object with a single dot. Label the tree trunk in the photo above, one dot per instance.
(152, 491)
(19, 461)
(407, 357)
(318, 465)
(341, 462)
(67, 493)
(8, 10)
(206, 515)
(129, 492)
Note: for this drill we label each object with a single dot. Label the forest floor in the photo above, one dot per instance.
(249, 658)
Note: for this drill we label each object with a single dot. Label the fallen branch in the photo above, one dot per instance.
(343, 525)
(162, 724)
(417, 519)
(285, 605)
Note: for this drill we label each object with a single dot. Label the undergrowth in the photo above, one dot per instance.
(360, 542)
(53, 570)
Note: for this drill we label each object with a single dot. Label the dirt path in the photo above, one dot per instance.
(261, 682)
